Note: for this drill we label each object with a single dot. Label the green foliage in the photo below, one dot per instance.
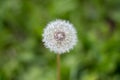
(24, 57)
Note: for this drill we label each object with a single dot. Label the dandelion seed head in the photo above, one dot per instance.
(59, 36)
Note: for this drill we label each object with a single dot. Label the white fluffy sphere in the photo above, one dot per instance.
(59, 36)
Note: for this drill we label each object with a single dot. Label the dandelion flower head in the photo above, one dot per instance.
(59, 36)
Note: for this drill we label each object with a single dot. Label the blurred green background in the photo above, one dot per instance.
(24, 57)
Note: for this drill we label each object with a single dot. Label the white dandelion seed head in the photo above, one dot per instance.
(59, 36)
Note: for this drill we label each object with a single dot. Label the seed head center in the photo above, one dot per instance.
(59, 36)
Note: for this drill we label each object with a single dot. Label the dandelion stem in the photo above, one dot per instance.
(58, 67)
